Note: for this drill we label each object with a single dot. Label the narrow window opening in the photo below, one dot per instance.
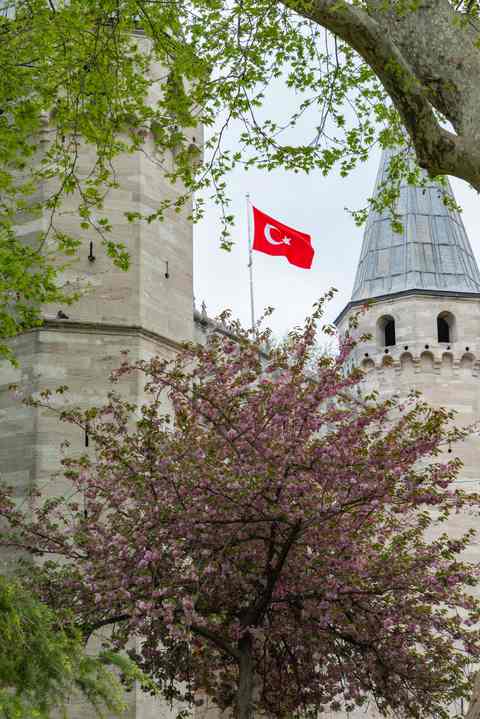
(386, 336)
(390, 333)
(446, 331)
(443, 330)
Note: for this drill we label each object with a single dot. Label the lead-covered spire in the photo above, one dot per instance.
(432, 253)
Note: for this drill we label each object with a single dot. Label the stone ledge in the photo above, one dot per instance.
(53, 325)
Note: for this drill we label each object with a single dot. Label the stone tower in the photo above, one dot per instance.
(146, 311)
(423, 291)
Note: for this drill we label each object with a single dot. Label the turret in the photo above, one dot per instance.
(421, 291)
(422, 285)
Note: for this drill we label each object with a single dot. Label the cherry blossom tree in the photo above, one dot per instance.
(267, 547)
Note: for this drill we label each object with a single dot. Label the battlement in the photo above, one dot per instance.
(438, 360)
(419, 335)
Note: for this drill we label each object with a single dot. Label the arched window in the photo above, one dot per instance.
(386, 331)
(443, 330)
(445, 327)
(390, 333)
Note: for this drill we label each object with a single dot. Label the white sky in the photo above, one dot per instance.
(310, 203)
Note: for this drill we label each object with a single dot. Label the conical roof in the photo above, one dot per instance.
(432, 253)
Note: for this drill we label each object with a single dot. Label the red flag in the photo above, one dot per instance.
(275, 238)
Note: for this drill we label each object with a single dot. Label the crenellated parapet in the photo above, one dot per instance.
(437, 360)
(417, 333)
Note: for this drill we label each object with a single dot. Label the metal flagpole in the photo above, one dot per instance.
(250, 259)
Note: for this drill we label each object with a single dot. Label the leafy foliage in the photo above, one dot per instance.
(86, 81)
(42, 661)
(271, 545)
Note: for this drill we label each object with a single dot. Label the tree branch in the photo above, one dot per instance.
(438, 150)
(218, 641)
(90, 628)
(258, 610)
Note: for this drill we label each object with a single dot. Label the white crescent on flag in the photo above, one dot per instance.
(269, 238)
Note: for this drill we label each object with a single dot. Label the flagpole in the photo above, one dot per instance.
(250, 259)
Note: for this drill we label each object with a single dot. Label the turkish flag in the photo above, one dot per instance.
(275, 238)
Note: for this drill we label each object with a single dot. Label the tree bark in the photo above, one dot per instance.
(473, 711)
(246, 680)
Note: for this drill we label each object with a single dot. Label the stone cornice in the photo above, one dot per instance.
(106, 328)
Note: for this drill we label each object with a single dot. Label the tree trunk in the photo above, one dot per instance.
(473, 711)
(246, 678)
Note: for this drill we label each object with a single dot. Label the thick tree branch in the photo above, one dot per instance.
(215, 639)
(438, 150)
(89, 629)
(256, 613)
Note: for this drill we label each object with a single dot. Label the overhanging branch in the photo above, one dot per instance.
(438, 151)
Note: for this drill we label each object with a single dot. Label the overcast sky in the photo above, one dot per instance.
(313, 204)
